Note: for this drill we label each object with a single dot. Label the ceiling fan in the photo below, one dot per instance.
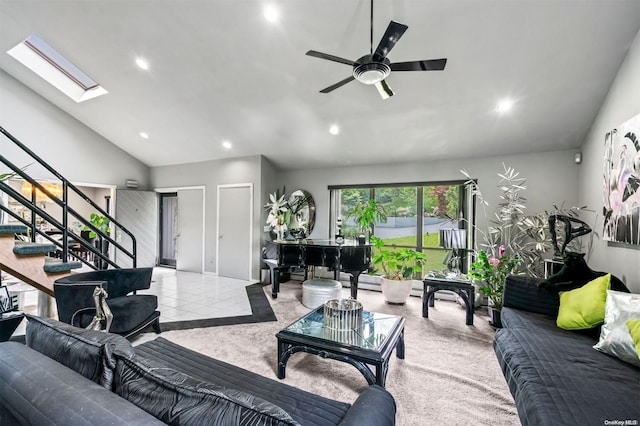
(374, 68)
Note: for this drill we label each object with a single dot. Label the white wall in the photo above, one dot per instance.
(622, 103)
(76, 151)
(210, 174)
(552, 178)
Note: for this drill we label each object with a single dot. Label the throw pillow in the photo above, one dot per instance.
(583, 308)
(634, 330)
(615, 338)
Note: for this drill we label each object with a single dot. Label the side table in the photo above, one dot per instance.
(464, 289)
(9, 321)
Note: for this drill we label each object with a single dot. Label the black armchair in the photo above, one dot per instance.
(131, 312)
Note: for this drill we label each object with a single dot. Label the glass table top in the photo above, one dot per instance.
(376, 327)
(445, 276)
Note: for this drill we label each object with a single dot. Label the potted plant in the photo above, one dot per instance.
(366, 215)
(491, 273)
(398, 266)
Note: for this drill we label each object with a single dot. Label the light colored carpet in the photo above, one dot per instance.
(450, 374)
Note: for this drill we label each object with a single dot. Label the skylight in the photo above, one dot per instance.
(44, 60)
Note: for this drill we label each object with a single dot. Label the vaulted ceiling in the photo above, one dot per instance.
(218, 70)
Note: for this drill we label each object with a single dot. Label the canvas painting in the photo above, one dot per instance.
(622, 183)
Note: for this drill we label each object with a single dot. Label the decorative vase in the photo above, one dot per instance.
(395, 292)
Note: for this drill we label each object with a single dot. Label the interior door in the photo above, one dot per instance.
(190, 230)
(137, 211)
(235, 214)
(168, 203)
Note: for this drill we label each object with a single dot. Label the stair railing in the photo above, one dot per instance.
(66, 211)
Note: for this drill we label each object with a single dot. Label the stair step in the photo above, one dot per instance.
(53, 267)
(13, 229)
(33, 248)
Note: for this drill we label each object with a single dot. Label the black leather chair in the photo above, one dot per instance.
(132, 312)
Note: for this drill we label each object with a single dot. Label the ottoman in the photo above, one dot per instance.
(316, 292)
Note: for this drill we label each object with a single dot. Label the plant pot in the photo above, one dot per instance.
(480, 299)
(394, 291)
(494, 317)
(103, 247)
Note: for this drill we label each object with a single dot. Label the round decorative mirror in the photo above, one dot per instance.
(303, 213)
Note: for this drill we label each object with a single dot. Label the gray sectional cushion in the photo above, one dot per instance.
(179, 399)
(87, 352)
(522, 292)
(556, 377)
(304, 407)
(37, 390)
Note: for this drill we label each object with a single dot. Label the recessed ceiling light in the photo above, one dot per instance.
(271, 13)
(142, 64)
(226, 144)
(144, 135)
(48, 63)
(504, 105)
(334, 129)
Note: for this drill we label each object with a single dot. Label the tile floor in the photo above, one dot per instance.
(182, 296)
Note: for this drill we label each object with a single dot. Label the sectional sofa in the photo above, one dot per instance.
(556, 377)
(70, 376)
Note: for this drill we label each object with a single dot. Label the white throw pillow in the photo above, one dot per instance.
(615, 338)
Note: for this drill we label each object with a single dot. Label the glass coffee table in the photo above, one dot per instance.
(367, 348)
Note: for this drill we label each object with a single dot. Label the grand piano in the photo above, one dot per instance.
(348, 257)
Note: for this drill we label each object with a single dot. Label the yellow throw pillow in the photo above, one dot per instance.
(583, 307)
(634, 330)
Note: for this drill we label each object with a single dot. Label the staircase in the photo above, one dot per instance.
(28, 262)
(24, 258)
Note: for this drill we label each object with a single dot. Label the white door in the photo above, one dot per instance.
(235, 214)
(190, 230)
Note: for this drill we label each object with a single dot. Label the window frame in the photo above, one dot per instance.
(466, 210)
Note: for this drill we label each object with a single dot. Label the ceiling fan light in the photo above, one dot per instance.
(371, 73)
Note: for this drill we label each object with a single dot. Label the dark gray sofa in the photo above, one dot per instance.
(555, 375)
(66, 376)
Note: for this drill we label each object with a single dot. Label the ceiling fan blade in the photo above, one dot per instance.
(338, 84)
(389, 39)
(384, 89)
(330, 58)
(427, 65)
